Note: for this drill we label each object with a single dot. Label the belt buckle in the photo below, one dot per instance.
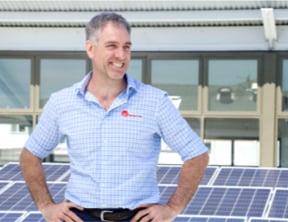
(102, 215)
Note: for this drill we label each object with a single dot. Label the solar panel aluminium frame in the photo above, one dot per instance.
(32, 215)
(225, 218)
(207, 178)
(197, 205)
(273, 203)
(10, 213)
(8, 183)
(266, 219)
(257, 170)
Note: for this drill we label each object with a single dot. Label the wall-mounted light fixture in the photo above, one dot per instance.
(269, 25)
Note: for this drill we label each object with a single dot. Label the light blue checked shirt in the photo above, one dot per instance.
(113, 153)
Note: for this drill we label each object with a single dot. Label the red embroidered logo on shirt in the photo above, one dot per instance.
(125, 113)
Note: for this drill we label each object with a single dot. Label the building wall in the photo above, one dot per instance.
(148, 39)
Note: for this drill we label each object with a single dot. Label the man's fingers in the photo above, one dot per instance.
(72, 205)
(73, 217)
(140, 215)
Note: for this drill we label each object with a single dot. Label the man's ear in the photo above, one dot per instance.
(89, 48)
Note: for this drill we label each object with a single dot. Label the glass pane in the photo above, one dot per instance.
(135, 69)
(285, 86)
(229, 139)
(56, 74)
(14, 131)
(179, 78)
(231, 129)
(283, 141)
(220, 152)
(246, 153)
(15, 81)
(232, 85)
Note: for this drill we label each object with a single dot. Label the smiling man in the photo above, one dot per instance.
(113, 126)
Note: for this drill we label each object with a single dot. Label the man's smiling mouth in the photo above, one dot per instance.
(118, 65)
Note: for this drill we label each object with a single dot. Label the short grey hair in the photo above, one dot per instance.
(99, 21)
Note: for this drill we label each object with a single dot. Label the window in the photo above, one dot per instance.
(179, 78)
(283, 141)
(232, 85)
(285, 85)
(56, 74)
(135, 69)
(15, 75)
(233, 141)
(14, 131)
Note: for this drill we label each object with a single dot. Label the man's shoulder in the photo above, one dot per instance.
(63, 96)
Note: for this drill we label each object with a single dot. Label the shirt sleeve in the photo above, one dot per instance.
(46, 135)
(177, 133)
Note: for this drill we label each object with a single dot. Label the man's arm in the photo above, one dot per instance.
(190, 177)
(34, 176)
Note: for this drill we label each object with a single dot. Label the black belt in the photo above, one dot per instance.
(112, 214)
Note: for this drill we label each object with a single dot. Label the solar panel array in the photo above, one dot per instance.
(226, 194)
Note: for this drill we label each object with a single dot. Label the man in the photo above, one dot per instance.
(113, 126)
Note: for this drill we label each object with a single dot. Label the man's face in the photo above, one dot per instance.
(111, 54)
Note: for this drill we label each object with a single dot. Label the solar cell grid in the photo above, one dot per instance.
(223, 200)
(10, 171)
(279, 206)
(17, 196)
(255, 177)
(228, 201)
(170, 174)
(54, 172)
(266, 220)
(10, 216)
(209, 219)
(33, 216)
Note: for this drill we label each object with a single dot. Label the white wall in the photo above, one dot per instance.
(147, 39)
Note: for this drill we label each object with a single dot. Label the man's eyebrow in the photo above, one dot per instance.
(115, 42)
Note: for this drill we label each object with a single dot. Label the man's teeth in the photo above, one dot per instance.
(119, 65)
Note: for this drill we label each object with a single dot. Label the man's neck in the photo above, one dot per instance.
(106, 90)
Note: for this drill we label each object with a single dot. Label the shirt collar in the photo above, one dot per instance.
(81, 87)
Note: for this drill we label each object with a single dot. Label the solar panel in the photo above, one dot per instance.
(60, 172)
(226, 194)
(279, 205)
(256, 177)
(17, 196)
(54, 171)
(209, 219)
(266, 220)
(224, 201)
(170, 174)
(33, 216)
(10, 216)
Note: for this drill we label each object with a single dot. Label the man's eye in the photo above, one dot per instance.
(127, 47)
(111, 46)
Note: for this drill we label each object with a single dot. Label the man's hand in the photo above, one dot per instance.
(60, 212)
(155, 213)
